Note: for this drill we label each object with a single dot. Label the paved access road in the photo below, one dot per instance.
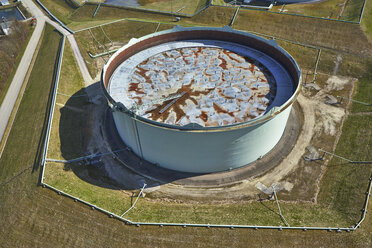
(19, 77)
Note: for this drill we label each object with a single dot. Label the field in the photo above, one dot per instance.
(75, 17)
(332, 36)
(349, 10)
(176, 6)
(77, 179)
(334, 9)
(367, 20)
(344, 37)
(35, 216)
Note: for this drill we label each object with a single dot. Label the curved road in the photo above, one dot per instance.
(19, 77)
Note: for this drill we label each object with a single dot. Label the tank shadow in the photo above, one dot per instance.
(95, 151)
(99, 156)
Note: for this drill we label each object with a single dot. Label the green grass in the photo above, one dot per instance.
(304, 56)
(76, 181)
(344, 184)
(327, 9)
(265, 213)
(219, 2)
(343, 37)
(124, 31)
(214, 16)
(119, 32)
(60, 8)
(118, 201)
(340, 200)
(351, 65)
(367, 20)
(30, 116)
(324, 9)
(79, 180)
(165, 27)
(352, 10)
(85, 13)
(333, 35)
(364, 92)
(186, 7)
(58, 174)
(74, 83)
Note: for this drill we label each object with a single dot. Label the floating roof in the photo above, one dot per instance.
(208, 82)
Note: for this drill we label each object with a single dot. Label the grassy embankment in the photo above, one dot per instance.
(329, 211)
(72, 82)
(333, 9)
(237, 213)
(61, 9)
(127, 31)
(21, 154)
(175, 6)
(339, 37)
(76, 18)
(352, 10)
(342, 37)
(364, 89)
(82, 17)
(327, 9)
(367, 20)
(306, 57)
(30, 117)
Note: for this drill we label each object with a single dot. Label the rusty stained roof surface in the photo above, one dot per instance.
(207, 85)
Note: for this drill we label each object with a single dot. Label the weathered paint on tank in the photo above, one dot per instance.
(204, 149)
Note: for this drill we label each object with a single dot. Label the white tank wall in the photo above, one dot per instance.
(206, 150)
(201, 151)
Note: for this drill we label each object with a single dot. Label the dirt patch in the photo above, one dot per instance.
(291, 161)
(319, 120)
(328, 119)
(337, 83)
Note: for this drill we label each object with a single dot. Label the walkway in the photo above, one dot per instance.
(19, 77)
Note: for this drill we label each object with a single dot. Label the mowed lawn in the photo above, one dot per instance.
(21, 150)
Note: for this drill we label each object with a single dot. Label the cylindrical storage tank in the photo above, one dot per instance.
(201, 100)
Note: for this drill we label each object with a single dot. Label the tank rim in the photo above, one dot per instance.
(118, 106)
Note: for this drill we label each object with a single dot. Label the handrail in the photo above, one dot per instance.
(51, 111)
(346, 159)
(55, 18)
